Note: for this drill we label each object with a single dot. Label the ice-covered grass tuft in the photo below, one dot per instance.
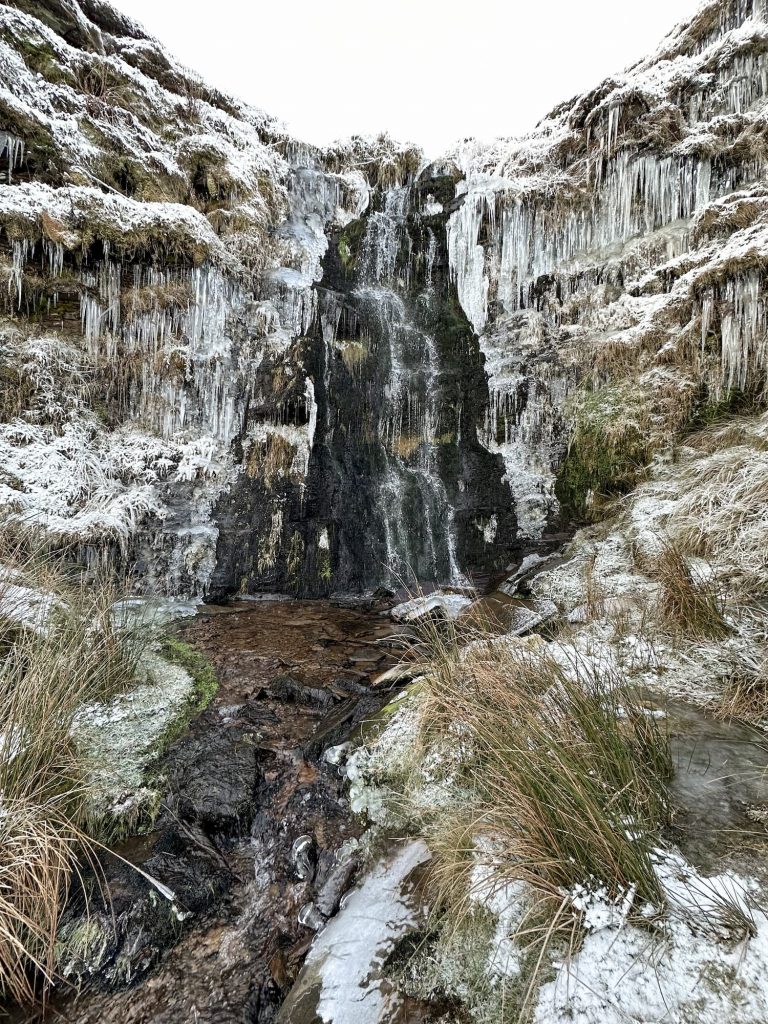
(61, 646)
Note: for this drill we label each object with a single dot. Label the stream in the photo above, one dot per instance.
(252, 824)
(257, 842)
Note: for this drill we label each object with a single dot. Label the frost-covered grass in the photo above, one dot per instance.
(60, 647)
(688, 606)
(91, 694)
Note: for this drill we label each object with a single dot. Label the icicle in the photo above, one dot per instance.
(22, 249)
(12, 147)
(744, 325)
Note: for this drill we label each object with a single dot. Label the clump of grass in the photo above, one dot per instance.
(745, 698)
(566, 763)
(61, 648)
(572, 773)
(563, 767)
(721, 510)
(39, 848)
(271, 459)
(688, 606)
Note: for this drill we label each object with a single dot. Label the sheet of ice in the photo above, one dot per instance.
(341, 981)
(450, 606)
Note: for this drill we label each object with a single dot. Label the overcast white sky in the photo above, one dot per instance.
(427, 71)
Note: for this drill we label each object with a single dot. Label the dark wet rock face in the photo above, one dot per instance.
(398, 484)
(254, 840)
(213, 776)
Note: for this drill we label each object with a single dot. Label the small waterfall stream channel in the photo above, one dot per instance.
(255, 838)
(279, 911)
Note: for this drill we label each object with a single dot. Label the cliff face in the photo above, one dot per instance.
(236, 358)
(247, 364)
(617, 256)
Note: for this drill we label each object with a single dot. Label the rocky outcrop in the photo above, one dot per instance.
(235, 358)
(247, 364)
(613, 261)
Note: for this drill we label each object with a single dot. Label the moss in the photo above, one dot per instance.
(324, 568)
(606, 456)
(350, 243)
(180, 653)
(295, 559)
(206, 685)
(41, 58)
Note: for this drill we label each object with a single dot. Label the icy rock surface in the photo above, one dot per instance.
(370, 360)
(341, 981)
(449, 606)
(595, 234)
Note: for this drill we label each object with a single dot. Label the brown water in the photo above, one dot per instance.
(299, 674)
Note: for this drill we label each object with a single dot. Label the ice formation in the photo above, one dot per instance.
(259, 319)
(604, 201)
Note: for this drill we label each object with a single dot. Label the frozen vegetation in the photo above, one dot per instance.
(229, 356)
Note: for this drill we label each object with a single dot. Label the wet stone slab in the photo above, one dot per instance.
(720, 784)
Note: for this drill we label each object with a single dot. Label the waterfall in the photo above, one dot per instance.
(418, 518)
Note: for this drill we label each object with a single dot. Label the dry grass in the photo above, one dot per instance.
(564, 768)
(562, 760)
(688, 606)
(720, 513)
(271, 459)
(61, 647)
(745, 697)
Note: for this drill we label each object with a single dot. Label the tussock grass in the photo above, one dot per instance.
(688, 606)
(563, 768)
(745, 698)
(564, 761)
(61, 648)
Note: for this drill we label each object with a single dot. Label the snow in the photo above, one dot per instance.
(694, 969)
(22, 604)
(344, 964)
(92, 208)
(450, 606)
(507, 901)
